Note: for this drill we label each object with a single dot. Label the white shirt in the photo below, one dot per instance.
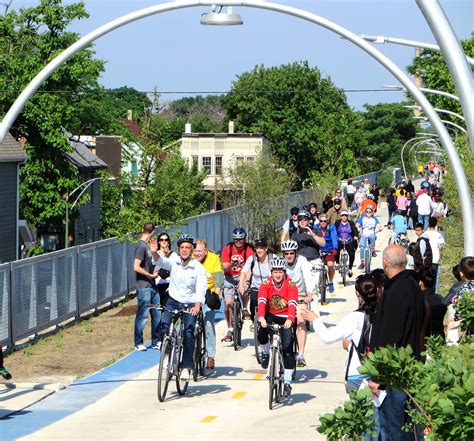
(188, 284)
(300, 274)
(350, 189)
(349, 327)
(424, 204)
(260, 272)
(436, 242)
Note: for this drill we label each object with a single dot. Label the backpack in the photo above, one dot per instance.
(246, 247)
(363, 348)
(292, 228)
(428, 256)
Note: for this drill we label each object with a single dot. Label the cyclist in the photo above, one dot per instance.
(368, 224)
(215, 283)
(399, 225)
(233, 257)
(254, 272)
(329, 248)
(369, 201)
(291, 225)
(188, 285)
(299, 271)
(314, 213)
(277, 302)
(347, 231)
(308, 240)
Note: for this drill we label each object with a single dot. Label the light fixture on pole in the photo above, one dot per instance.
(439, 111)
(424, 118)
(218, 18)
(423, 89)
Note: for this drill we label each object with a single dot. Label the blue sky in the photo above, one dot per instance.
(174, 53)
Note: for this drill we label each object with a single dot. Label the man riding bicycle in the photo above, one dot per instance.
(299, 271)
(233, 258)
(368, 224)
(277, 302)
(330, 248)
(347, 235)
(188, 285)
(309, 240)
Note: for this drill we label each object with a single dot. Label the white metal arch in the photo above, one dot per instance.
(458, 171)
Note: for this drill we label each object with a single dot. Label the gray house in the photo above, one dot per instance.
(12, 156)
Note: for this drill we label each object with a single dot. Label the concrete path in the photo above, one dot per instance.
(120, 402)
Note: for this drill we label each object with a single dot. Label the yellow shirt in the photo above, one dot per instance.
(212, 265)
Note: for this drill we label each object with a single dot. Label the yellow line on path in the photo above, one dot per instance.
(238, 395)
(208, 419)
(258, 376)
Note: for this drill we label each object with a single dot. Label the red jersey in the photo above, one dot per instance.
(230, 254)
(281, 302)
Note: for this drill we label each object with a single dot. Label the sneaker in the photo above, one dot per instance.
(300, 361)
(140, 348)
(287, 390)
(157, 345)
(264, 359)
(251, 327)
(349, 273)
(361, 266)
(246, 314)
(374, 254)
(185, 375)
(5, 374)
(210, 363)
(331, 287)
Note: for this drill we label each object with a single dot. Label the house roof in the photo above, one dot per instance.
(11, 150)
(81, 156)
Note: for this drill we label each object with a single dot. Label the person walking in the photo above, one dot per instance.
(146, 292)
(392, 205)
(399, 321)
(424, 208)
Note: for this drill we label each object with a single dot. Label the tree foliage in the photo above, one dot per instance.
(431, 67)
(387, 127)
(29, 39)
(304, 116)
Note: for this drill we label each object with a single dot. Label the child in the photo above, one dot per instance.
(399, 225)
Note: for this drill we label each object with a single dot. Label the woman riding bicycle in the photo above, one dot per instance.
(277, 302)
(348, 235)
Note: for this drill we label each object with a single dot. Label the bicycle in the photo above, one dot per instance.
(200, 350)
(257, 345)
(276, 369)
(323, 279)
(171, 353)
(237, 320)
(344, 261)
(401, 239)
(367, 258)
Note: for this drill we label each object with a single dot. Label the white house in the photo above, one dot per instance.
(214, 153)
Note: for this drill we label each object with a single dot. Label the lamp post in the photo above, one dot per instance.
(85, 185)
(450, 123)
(439, 111)
(403, 149)
(423, 89)
(396, 71)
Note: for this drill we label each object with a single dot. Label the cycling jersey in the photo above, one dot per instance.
(300, 273)
(280, 302)
(368, 224)
(237, 257)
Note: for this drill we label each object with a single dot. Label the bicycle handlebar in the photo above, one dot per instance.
(171, 311)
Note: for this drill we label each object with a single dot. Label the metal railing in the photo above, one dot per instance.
(39, 293)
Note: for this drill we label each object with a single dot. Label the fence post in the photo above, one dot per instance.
(10, 309)
(78, 283)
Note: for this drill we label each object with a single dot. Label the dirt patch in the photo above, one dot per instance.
(78, 350)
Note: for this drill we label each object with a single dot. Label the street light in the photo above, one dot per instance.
(85, 185)
(218, 18)
(424, 118)
(423, 137)
(381, 39)
(423, 89)
(439, 111)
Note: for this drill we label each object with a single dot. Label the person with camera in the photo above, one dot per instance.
(163, 279)
(215, 285)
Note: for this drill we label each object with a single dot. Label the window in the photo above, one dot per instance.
(134, 168)
(218, 165)
(250, 159)
(207, 164)
(195, 161)
(239, 161)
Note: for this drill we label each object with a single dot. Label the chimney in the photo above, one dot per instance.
(231, 127)
(187, 128)
(130, 115)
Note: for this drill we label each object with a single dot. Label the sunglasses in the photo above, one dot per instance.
(163, 239)
(238, 240)
(303, 219)
(344, 215)
(289, 253)
(323, 221)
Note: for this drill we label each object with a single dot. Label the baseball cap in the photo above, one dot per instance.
(261, 243)
(344, 212)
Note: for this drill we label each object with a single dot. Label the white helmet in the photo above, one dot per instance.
(289, 245)
(278, 263)
(371, 197)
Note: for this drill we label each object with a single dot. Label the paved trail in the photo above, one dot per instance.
(230, 404)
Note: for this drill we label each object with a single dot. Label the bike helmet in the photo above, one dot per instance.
(239, 233)
(304, 213)
(313, 205)
(186, 238)
(289, 245)
(371, 197)
(337, 201)
(278, 263)
(426, 185)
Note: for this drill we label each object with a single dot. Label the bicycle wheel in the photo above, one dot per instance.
(281, 378)
(202, 365)
(344, 268)
(165, 369)
(181, 386)
(272, 385)
(197, 356)
(255, 339)
(322, 286)
(368, 258)
(236, 324)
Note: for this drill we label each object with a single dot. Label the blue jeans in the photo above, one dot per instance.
(209, 322)
(146, 296)
(189, 323)
(366, 241)
(425, 220)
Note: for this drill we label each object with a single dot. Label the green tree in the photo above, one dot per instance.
(304, 116)
(431, 68)
(387, 127)
(29, 39)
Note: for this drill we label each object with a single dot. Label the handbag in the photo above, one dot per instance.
(213, 301)
(351, 352)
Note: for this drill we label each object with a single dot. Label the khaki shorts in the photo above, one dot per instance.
(230, 283)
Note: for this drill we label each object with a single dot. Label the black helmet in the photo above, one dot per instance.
(186, 238)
